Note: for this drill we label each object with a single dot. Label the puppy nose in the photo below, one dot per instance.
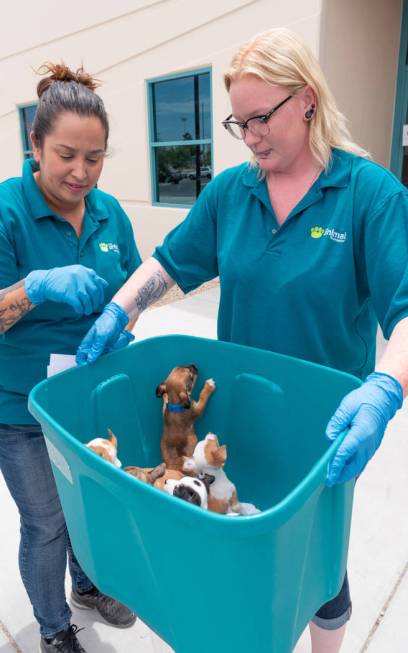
(193, 368)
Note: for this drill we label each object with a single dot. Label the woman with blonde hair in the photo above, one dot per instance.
(310, 242)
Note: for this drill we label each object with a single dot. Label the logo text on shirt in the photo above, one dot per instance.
(109, 247)
(337, 236)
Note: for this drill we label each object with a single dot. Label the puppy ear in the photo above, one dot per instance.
(213, 437)
(207, 479)
(156, 472)
(220, 455)
(160, 390)
(185, 399)
(113, 438)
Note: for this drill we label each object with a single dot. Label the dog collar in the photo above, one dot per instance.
(175, 408)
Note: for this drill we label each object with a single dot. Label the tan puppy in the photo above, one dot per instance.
(107, 449)
(156, 476)
(170, 475)
(180, 412)
(148, 475)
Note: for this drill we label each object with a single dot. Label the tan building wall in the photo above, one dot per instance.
(359, 55)
(129, 42)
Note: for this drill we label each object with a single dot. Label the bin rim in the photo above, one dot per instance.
(280, 511)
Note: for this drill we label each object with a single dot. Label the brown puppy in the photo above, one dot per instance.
(179, 413)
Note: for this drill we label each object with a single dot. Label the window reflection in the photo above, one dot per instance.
(26, 120)
(181, 108)
(182, 172)
(181, 114)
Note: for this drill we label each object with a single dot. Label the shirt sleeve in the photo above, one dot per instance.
(133, 256)
(189, 251)
(386, 258)
(8, 263)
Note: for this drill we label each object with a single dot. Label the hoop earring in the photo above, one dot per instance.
(309, 113)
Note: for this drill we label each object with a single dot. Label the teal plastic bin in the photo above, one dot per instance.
(202, 581)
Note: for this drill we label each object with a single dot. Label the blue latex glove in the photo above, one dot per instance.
(124, 339)
(105, 335)
(366, 412)
(76, 285)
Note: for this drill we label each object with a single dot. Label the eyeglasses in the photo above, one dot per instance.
(257, 125)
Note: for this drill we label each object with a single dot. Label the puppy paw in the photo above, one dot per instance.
(248, 509)
(189, 466)
(210, 383)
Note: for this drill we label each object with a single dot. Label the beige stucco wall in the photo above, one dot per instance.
(130, 41)
(359, 49)
(124, 48)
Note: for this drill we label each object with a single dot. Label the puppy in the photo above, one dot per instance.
(170, 475)
(156, 476)
(106, 449)
(210, 458)
(192, 490)
(180, 412)
(148, 475)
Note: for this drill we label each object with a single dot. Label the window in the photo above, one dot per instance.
(26, 120)
(180, 137)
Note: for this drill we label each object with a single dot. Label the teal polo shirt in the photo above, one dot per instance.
(33, 237)
(313, 287)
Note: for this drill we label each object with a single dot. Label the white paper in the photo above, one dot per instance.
(59, 363)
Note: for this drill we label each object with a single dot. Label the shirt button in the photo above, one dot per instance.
(274, 231)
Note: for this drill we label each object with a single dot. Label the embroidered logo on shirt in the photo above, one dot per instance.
(316, 232)
(337, 236)
(109, 247)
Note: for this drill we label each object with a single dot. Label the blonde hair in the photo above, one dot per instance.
(280, 58)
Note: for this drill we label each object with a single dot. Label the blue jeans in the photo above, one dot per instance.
(44, 542)
(335, 613)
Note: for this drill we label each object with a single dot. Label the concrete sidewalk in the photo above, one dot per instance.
(378, 550)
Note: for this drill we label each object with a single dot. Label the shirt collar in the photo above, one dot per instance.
(337, 175)
(39, 207)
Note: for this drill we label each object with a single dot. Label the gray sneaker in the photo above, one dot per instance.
(63, 642)
(115, 613)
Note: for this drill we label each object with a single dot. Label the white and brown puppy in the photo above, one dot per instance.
(192, 490)
(209, 458)
(107, 449)
(180, 412)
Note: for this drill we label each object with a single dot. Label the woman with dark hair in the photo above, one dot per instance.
(66, 247)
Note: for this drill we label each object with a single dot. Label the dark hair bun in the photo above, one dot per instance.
(59, 72)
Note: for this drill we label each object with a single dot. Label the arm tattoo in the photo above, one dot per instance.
(153, 289)
(12, 307)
